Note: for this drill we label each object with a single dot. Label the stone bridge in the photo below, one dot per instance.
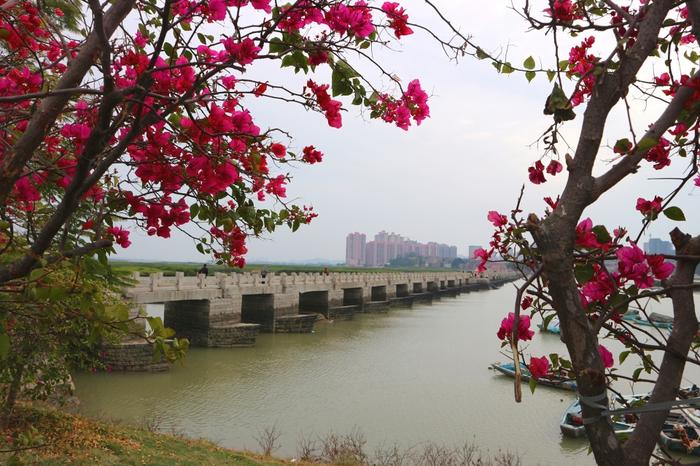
(228, 310)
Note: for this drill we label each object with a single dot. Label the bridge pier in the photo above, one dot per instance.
(378, 299)
(210, 323)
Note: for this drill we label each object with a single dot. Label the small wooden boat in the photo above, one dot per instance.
(681, 434)
(571, 424)
(655, 320)
(550, 380)
(552, 326)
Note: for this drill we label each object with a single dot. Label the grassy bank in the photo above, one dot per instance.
(47, 436)
(191, 268)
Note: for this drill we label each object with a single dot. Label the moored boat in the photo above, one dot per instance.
(571, 424)
(552, 326)
(681, 434)
(550, 380)
(659, 321)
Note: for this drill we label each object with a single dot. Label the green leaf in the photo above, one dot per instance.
(507, 68)
(619, 303)
(602, 234)
(296, 59)
(584, 273)
(551, 75)
(554, 357)
(529, 63)
(277, 46)
(646, 143)
(636, 373)
(340, 80)
(547, 320)
(557, 104)
(480, 54)
(623, 356)
(623, 146)
(340, 84)
(168, 49)
(533, 384)
(674, 213)
(530, 75)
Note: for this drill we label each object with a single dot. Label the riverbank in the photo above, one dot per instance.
(47, 436)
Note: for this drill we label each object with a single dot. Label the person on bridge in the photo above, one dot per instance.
(203, 271)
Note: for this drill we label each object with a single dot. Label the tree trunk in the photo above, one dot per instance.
(556, 241)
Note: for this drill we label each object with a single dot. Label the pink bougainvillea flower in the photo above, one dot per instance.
(260, 89)
(551, 203)
(606, 356)
(330, 106)
(539, 367)
(599, 287)
(659, 267)
(649, 208)
(565, 11)
(498, 220)
(311, 155)
(554, 167)
(506, 329)
(484, 257)
(398, 19)
(536, 173)
(121, 236)
(585, 237)
(660, 154)
(632, 265)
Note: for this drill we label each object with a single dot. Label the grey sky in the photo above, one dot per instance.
(437, 181)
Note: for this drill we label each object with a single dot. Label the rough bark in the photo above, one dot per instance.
(556, 240)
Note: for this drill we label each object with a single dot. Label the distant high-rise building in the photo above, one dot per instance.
(389, 246)
(658, 246)
(355, 249)
(371, 254)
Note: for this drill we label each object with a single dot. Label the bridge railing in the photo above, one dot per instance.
(157, 281)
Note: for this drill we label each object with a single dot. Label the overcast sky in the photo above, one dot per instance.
(437, 181)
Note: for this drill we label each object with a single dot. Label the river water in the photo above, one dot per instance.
(405, 377)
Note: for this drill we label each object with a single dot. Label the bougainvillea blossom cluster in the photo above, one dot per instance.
(524, 332)
(178, 120)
